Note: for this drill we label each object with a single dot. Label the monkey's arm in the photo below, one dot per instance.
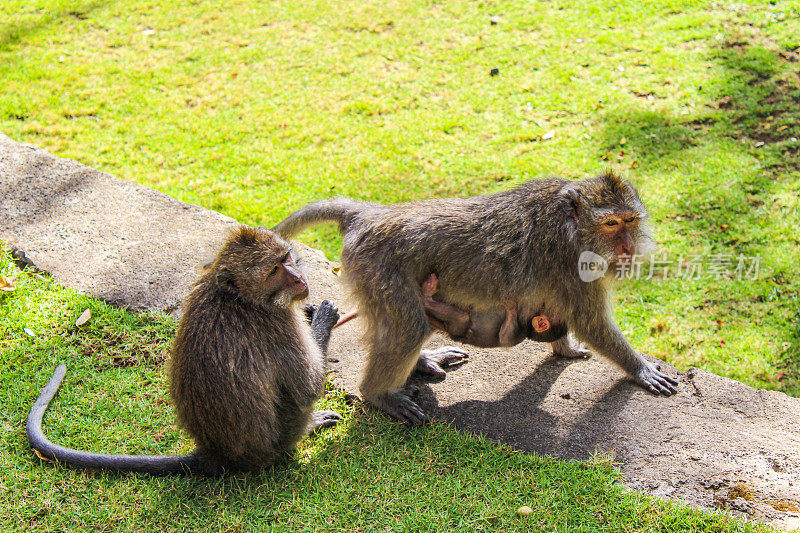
(607, 339)
(322, 322)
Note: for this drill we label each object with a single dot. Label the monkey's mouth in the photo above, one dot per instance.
(301, 291)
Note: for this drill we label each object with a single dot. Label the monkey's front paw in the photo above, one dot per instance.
(430, 362)
(401, 407)
(325, 317)
(651, 378)
(324, 419)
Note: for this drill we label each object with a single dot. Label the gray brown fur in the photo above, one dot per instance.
(519, 245)
(246, 367)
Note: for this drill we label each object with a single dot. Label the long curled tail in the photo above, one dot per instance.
(149, 464)
(340, 210)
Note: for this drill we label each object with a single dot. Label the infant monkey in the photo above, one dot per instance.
(489, 328)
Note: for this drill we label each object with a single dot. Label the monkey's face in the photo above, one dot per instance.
(618, 230)
(609, 219)
(622, 234)
(286, 281)
(257, 265)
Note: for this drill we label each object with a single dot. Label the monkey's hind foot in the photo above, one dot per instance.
(400, 406)
(651, 378)
(323, 419)
(568, 349)
(430, 362)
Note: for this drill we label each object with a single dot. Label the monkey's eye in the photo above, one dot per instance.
(630, 220)
(273, 271)
(611, 222)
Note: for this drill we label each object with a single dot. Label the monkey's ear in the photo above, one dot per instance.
(225, 279)
(571, 201)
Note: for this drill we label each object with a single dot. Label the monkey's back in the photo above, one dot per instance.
(474, 245)
(243, 382)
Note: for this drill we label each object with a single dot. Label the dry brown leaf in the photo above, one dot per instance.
(42, 457)
(84, 318)
(7, 284)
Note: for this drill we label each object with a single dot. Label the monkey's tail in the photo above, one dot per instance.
(149, 464)
(340, 210)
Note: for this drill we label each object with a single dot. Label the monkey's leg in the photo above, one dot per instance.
(605, 337)
(456, 321)
(451, 319)
(397, 328)
(322, 321)
(567, 347)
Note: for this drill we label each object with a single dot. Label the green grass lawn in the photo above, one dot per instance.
(254, 108)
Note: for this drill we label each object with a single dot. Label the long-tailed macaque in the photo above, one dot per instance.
(521, 245)
(245, 371)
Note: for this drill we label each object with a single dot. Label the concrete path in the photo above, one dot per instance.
(718, 443)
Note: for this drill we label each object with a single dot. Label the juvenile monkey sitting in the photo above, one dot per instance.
(247, 366)
(489, 328)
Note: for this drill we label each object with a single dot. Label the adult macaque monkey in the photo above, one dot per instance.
(246, 367)
(520, 245)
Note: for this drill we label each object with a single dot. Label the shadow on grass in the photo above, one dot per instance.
(14, 32)
(754, 109)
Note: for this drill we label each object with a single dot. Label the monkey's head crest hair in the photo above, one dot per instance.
(592, 199)
(247, 250)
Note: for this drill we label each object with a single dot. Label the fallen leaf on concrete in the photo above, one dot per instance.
(84, 318)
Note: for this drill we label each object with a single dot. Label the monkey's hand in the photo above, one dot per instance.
(309, 310)
(651, 378)
(324, 316)
(430, 362)
(322, 321)
(323, 419)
